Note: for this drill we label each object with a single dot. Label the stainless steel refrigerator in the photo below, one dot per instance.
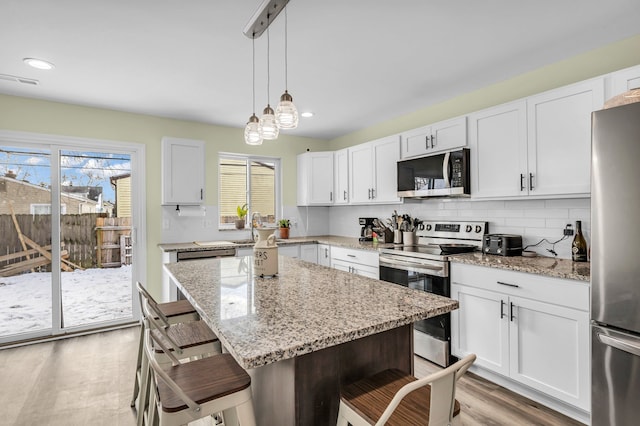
(615, 266)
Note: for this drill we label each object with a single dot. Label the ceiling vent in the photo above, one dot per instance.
(17, 79)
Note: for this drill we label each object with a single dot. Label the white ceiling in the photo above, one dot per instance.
(352, 62)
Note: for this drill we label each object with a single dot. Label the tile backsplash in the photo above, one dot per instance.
(533, 219)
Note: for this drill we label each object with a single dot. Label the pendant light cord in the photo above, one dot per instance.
(286, 49)
(268, 67)
(253, 61)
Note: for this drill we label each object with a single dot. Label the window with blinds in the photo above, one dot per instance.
(250, 180)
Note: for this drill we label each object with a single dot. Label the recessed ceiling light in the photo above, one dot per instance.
(307, 114)
(38, 63)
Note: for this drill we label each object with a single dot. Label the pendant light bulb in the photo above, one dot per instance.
(268, 123)
(286, 112)
(253, 131)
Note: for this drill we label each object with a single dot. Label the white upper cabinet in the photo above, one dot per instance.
(372, 171)
(183, 171)
(315, 178)
(498, 142)
(623, 80)
(540, 146)
(559, 138)
(341, 177)
(437, 137)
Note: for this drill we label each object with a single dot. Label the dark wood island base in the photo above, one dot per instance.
(305, 390)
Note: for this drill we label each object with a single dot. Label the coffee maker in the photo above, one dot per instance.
(366, 233)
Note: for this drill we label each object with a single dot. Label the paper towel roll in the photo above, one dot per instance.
(191, 211)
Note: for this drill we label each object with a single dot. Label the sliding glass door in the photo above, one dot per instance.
(69, 252)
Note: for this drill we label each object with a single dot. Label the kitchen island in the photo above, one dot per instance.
(308, 331)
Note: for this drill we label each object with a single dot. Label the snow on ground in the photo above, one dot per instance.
(88, 296)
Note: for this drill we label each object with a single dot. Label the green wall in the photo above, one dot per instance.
(29, 115)
(594, 63)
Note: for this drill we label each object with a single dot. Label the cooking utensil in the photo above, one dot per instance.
(456, 248)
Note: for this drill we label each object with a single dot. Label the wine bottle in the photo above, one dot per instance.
(579, 245)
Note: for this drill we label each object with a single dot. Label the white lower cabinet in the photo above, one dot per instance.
(531, 329)
(309, 252)
(289, 250)
(360, 262)
(324, 255)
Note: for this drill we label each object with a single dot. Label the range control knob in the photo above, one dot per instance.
(428, 227)
(478, 228)
(468, 228)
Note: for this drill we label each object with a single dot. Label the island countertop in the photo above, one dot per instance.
(306, 308)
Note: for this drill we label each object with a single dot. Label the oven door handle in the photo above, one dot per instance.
(445, 170)
(440, 271)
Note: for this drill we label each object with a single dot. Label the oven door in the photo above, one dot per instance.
(421, 278)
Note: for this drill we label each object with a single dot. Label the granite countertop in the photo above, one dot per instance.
(349, 242)
(307, 307)
(549, 266)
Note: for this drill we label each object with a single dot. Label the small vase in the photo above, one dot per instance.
(239, 223)
(284, 233)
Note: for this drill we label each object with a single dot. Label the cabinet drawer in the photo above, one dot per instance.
(569, 293)
(364, 257)
(355, 268)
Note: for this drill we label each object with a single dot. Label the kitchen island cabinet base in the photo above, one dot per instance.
(305, 390)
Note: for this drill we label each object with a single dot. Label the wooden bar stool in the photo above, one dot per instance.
(184, 340)
(392, 397)
(170, 313)
(193, 390)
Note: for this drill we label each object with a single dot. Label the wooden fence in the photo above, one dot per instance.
(79, 237)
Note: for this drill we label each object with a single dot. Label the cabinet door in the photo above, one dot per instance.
(360, 173)
(289, 250)
(183, 176)
(386, 154)
(324, 255)
(341, 177)
(315, 178)
(341, 265)
(481, 326)
(624, 80)
(416, 142)
(550, 350)
(559, 138)
(449, 134)
(309, 252)
(498, 141)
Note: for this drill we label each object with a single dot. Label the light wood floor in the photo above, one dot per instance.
(88, 380)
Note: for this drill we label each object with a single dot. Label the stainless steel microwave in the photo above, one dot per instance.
(439, 175)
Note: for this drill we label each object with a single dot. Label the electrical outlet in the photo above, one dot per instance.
(568, 230)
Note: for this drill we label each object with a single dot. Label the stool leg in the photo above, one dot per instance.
(144, 390)
(136, 384)
(245, 413)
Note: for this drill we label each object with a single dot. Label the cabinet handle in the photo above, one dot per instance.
(511, 311)
(345, 195)
(432, 140)
(521, 182)
(373, 193)
(426, 142)
(326, 253)
(508, 284)
(201, 194)
(530, 181)
(330, 195)
(502, 308)
(369, 190)
(351, 255)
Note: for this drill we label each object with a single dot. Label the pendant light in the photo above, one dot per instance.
(268, 123)
(253, 131)
(286, 112)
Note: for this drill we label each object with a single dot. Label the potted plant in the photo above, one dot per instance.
(284, 225)
(242, 213)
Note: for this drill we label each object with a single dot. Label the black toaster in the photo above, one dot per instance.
(502, 244)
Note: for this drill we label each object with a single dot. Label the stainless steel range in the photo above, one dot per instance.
(425, 267)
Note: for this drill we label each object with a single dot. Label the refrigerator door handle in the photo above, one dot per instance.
(626, 345)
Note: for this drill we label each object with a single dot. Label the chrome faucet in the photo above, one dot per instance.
(255, 223)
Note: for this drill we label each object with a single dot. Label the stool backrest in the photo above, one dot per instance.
(443, 392)
(144, 294)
